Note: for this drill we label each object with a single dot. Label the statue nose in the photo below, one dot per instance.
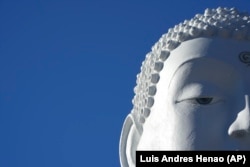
(240, 128)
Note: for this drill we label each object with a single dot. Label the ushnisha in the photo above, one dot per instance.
(196, 74)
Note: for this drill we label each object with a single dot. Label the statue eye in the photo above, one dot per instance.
(204, 100)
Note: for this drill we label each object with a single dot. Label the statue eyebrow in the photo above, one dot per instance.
(245, 58)
(199, 89)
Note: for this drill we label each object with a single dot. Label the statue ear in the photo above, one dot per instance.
(128, 142)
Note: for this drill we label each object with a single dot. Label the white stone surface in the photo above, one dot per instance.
(178, 121)
(193, 90)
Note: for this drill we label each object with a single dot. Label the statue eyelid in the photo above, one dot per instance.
(200, 94)
(202, 100)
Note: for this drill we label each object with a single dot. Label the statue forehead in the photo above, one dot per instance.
(226, 51)
(210, 75)
(204, 60)
(222, 23)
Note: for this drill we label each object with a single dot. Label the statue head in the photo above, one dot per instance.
(193, 89)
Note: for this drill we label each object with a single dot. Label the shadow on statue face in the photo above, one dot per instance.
(202, 102)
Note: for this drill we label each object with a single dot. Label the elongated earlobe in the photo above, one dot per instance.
(128, 142)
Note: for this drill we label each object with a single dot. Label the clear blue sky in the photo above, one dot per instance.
(67, 73)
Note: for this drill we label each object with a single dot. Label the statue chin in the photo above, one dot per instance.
(193, 93)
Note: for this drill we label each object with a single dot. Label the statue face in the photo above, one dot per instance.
(202, 100)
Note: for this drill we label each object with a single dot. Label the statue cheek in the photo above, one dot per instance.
(195, 125)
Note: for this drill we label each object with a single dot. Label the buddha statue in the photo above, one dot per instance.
(193, 89)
